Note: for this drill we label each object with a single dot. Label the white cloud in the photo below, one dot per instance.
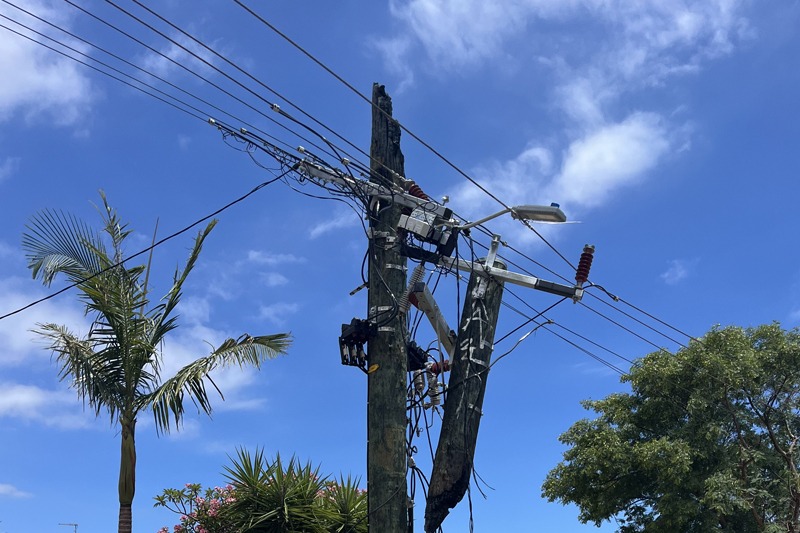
(678, 271)
(10, 491)
(663, 36)
(19, 343)
(8, 166)
(635, 46)
(272, 259)
(194, 310)
(278, 313)
(345, 219)
(394, 51)
(455, 33)
(44, 85)
(609, 158)
(274, 279)
(53, 408)
(174, 57)
(184, 141)
(592, 168)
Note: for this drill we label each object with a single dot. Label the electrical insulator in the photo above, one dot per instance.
(416, 277)
(438, 368)
(419, 382)
(582, 273)
(434, 392)
(416, 190)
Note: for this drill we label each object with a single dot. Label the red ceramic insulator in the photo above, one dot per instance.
(437, 369)
(416, 190)
(582, 273)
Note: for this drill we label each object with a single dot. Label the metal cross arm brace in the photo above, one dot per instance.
(569, 291)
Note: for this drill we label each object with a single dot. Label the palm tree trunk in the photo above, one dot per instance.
(127, 475)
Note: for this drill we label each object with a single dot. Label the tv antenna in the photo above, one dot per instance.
(74, 526)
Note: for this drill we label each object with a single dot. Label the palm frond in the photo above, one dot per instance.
(93, 373)
(164, 324)
(60, 243)
(167, 400)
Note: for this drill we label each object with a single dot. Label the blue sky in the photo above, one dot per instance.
(667, 129)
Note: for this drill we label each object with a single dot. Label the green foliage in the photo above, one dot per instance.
(270, 497)
(707, 440)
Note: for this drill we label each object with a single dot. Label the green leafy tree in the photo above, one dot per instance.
(269, 497)
(117, 365)
(707, 440)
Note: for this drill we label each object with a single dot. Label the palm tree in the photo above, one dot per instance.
(117, 365)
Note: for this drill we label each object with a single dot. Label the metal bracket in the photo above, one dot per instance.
(576, 293)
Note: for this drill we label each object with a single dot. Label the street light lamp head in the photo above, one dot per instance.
(539, 213)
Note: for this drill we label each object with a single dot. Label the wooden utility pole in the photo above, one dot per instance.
(469, 369)
(386, 389)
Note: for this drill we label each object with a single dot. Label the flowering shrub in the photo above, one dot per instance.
(200, 511)
(265, 497)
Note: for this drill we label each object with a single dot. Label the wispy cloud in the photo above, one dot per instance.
(645, 40)
(278, 313)
(273, 259)
(181, 57)
(678, 271)
(10, 491)
(8, 167)
(53, 408)
(602, 147)
(44, 86)
(344, 219)
(274, 279)
(19, 343)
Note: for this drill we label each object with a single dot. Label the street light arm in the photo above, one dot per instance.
(540, 213)
(485, 219)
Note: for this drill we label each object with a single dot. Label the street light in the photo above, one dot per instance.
(538, 213)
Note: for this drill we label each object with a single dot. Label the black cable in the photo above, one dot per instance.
(252, 77)
(648, 326)
(102, 72)
(587, 352)
(151, 247)
(118, 58)
(531, 319)
(369, 101)
(657, 319)
(426, 145)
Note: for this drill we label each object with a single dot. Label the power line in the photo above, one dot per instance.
(284, 114)
(145, 250)
(423, 143)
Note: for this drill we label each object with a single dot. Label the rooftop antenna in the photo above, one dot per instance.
(74, 526)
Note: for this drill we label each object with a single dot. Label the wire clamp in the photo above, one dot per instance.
(401, 268)
(475, 408)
